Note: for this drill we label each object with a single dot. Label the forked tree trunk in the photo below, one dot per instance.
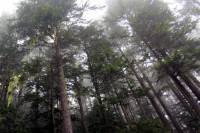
(66, 120)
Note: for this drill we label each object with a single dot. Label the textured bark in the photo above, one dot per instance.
(66, 120)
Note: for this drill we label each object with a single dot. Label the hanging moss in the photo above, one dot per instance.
(12, 85)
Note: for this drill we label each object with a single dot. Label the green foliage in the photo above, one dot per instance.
(113, 100)
(180, 62)
(140, 92)
(96, 123)
(9, 120)
(146, 125)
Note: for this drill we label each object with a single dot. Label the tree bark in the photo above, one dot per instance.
(120, 103)
(153, 102)
(181, 99)
(66, 120)
(82, 115)
(139, 104)
(179, 85)
(191, 84)
(174, 121)
(53, 128)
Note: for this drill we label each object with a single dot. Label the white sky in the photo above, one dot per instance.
(9, 6)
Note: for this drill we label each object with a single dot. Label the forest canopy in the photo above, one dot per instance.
(136, 70)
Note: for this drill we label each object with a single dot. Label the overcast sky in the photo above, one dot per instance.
(9, 6)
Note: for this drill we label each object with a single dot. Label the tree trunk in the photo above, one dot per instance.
(174, 121)
(150, 96)
(139, 104)
(193, 78)
(97, 90)
(181, 99)
(66, 120)
(83, 115)
(186, 94)
(179, 85)
(84, 122)
(153, 102)
(53, 128)
(191, 84)
(120, 103)
(119, 114)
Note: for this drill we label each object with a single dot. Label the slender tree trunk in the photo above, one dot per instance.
(193, 78)
(66, 120)
(131, 111)
(191, 84)
(4, 92)
(120, 103)
(139, 104)
(118, 110)
(186, 94)
(84, 122)
(53, 128)
(119, 114)
(179, 85)
(153, 101)
(83, 115)
(150, 96)
(181, 99)
(174, 121)
(97, 90)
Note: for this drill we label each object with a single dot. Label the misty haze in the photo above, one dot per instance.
(100, 66)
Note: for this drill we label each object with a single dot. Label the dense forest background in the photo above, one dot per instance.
(134, 71)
